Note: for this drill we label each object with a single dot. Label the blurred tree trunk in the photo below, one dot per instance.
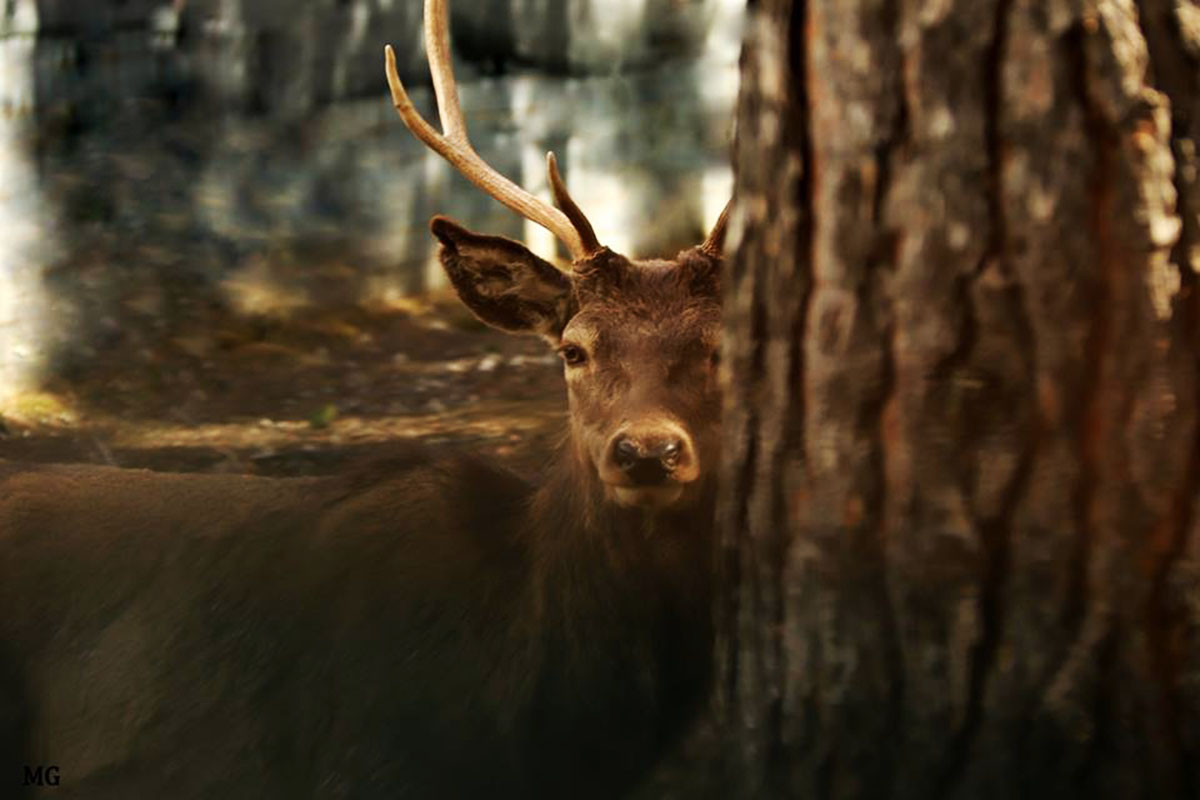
(962, 465)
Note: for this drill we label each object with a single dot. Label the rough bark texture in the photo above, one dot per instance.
(961, 549)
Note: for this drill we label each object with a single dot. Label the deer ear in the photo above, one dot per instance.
(503, 283)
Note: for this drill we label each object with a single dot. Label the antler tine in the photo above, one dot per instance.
(714, 245)
(454, 145)
(564, 201)
(441, 69)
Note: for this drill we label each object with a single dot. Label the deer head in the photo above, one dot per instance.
(638, 338)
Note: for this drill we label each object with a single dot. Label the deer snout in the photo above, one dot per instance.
(650, 457)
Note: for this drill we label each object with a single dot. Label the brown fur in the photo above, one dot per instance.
(427, 628)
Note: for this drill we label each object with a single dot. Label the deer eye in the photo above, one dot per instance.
(714, 358)
(572, 355)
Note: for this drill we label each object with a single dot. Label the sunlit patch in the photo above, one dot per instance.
(254, 291)
(496, 421)
(27, 241)
(40, 409)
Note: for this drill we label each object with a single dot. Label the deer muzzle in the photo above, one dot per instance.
(650, 464)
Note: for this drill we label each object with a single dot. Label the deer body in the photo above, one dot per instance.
(426, 629)
(437, 629)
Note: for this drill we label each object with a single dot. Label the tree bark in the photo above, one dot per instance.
(960, 549)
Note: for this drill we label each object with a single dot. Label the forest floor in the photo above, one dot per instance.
(301, 395)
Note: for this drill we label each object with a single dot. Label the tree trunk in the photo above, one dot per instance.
(960, 545)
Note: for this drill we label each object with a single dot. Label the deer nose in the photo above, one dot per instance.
(647, 462)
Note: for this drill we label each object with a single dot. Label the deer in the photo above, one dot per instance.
(432, 626)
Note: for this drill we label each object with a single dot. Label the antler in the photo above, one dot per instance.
(714, 245)
(571, 227)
